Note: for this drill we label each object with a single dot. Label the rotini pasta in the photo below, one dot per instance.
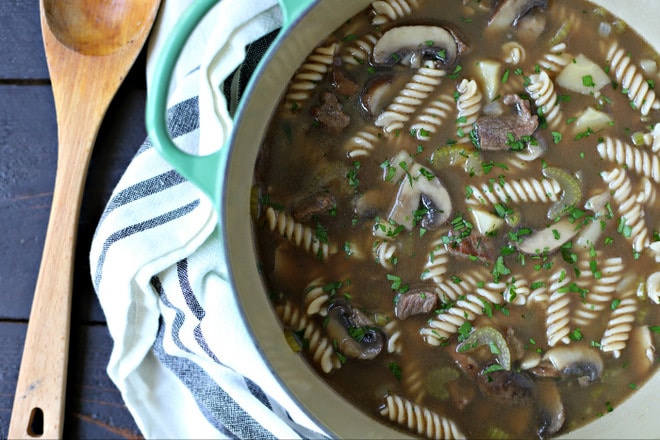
(359, 52)
(515, 191)
(321, 348)
(309, 75)
(468, 105)
(635, 159)
(432, 117)
(362, 143)
(619, 325)
(297, 233)
(514, 53)
(394, 337)
(415, 92)
(383, 252)
(629, 210)
(419, 419)
(632, 81)
(436, 264)
(558, 313)
(555, 59)
(602, 290)
(316, 297)
(466, 308)
(390, 10)
(542, 90)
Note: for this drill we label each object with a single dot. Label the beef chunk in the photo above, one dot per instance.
(471, 246)
(415, 303)
(507, 387)
(315, 204)
(343, 83)
(330, 113)
(493, 132)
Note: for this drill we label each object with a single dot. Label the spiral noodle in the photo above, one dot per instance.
(316, 298)
(517, 191)
(632, 81)
(601, 291)
(514, 53)
(360, 51)
(647, 192)
(642, 162)
(323, 352)
(362, 143)
(390, 10)
(542, 90)
(419, 419)
(468, 105)
(309, 75)
(555, 59)
(539, 293)
(432, 117)
(627, 207)
(299, 234)
(393, 332)
(517, 292)
(415, 92)
(436, 265)
(383, 252)
(467, 308)
(619, 326)
(413, 380)
(557, 319)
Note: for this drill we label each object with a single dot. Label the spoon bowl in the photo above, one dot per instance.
(96, 28)
(90, 46)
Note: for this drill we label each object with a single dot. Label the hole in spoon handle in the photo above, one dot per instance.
(35, 426)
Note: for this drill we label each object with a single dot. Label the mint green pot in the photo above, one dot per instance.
(226, 178)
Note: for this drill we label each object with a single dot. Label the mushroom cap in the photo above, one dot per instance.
(414, 42)
(353, 339)
(409, 197)
(576, 360)
(508, 13)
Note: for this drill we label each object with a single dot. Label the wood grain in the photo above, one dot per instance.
(28, 153)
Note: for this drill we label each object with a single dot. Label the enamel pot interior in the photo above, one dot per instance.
(634, 417)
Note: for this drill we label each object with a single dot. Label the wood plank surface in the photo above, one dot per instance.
(21, 51)
(28, 153)
(94, 407)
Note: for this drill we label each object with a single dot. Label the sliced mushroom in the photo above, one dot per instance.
(379, 90)
(548, 240)
(507, 13)
(576, 360)
(552, 414)
(410, 45)
(420, 181)
(414, 302)
(346, 327)
(642, 350)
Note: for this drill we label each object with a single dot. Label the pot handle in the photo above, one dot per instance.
(207, 171)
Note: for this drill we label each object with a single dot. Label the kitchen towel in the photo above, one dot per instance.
(182, 357)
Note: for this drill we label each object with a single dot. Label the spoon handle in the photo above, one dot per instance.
(39, 402)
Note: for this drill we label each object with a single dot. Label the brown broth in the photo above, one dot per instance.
(301, 157)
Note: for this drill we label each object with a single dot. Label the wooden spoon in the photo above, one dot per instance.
(90, 46)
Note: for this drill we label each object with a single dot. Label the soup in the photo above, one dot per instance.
(455, 214)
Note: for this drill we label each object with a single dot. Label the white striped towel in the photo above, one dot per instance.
(182, 357)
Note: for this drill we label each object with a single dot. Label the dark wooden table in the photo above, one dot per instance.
(28, 153)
